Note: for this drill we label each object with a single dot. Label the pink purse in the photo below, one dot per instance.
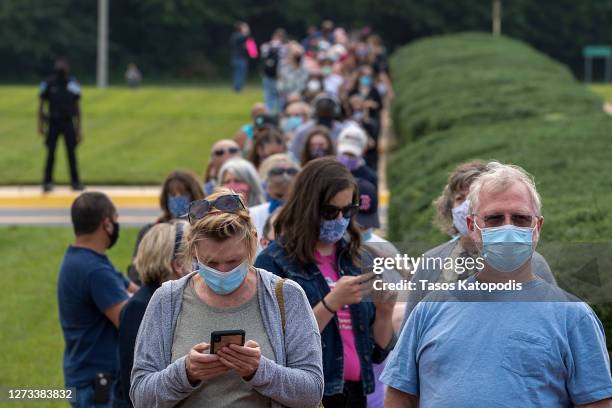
(251, 47)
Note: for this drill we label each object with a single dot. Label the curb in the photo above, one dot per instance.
(62, 197)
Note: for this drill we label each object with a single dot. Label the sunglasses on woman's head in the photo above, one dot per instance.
(330, 212)
(279, 171)
(230, 203)
(221, 152)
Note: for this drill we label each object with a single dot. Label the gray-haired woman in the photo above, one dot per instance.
(241, 176)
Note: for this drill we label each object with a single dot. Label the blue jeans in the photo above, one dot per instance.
(271, 96)
(241, 69)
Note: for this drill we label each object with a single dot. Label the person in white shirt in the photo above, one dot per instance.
(276, 172)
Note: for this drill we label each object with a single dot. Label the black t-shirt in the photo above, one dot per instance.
(373, 95)
(380, 64)
(129, 323)
(62, 96)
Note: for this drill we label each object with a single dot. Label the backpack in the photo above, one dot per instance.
(270, 62)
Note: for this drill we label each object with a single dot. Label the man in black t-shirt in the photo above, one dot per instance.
(61, 94)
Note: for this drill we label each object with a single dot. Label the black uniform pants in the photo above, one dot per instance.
(65, 128)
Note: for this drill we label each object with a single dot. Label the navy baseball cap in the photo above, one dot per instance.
(368, 204)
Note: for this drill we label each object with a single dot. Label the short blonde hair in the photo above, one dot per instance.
(301, 107)
(499, 177)
(220, 226)
(156, 252)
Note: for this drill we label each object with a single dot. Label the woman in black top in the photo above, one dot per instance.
(158, 260)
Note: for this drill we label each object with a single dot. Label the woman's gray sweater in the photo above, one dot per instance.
(295, 379)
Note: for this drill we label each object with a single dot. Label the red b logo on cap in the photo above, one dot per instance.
(364, 202)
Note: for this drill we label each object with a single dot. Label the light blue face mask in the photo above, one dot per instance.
(508, 247)
(223, 283)
(365, 80)
(366, 235)
(178, 206)
(459, 217)
(274, 204)
(292, 123)
(332, 231)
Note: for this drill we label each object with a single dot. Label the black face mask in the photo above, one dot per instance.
(327, 122)
(114, 236)
(61, 74)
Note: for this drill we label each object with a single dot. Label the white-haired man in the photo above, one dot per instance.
(524, 348)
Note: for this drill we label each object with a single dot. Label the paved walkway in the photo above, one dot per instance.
(137, 205)
(384, 147)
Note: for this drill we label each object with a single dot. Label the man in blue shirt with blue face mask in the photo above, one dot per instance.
(533, 347)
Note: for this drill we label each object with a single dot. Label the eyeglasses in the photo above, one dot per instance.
(279, 171)
(330, 212)
(221, 152)
(518, 220)
(230, 203)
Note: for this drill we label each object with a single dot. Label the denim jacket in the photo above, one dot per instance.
(274, 259)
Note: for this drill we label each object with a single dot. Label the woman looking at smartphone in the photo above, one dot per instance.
(279, 365)
(317, 245)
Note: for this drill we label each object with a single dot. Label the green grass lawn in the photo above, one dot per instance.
(130, 136)
(604, 90)
(30, 337)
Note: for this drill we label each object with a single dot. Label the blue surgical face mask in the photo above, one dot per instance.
(365, 80)
(332, 231)
(459, 217)
(292, 123)
(508, 247)
(178, 206)
(274, 204)
(223, 283)
(366, 235)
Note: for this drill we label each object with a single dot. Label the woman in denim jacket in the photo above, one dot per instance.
(318, 246)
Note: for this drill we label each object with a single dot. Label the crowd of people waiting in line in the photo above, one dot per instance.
(277, 240)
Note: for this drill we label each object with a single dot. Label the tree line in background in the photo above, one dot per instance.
(189, 38)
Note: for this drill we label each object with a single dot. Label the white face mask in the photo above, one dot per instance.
(313, 86)
(459, 217)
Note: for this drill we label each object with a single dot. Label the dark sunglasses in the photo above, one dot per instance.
(330, 212)
(221, 152)
(279, 171)
(230, 203)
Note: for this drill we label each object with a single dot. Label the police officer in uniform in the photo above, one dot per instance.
(61, 94)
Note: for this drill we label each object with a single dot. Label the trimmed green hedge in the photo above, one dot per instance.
(473, 96)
